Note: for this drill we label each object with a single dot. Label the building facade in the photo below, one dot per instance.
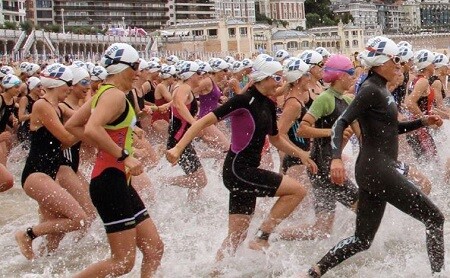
(146, 14)
(365, 15)
(243, 10)
(290, 11)
(40, 12)
(13, 11)
(190, 10)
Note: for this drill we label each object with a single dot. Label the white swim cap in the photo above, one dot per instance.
(265, 66)
(205, 67)
(237, 67)
(32, 69)
(405, 53)
(6, 70)
(155, 59)
(167, 71)
(98, 73)
(79, 73)
(219, 65)
(295, 69)
(379, 50)
(143, 65)
(405, 43)
(187, 70)
(311, 57)
(229, 59)
(23, 67)
(323, 51)
(423, 58)
(33, 82)
(10, 80)
(154, 67)
(281, 55)
(440, 60)
(118, 57)
(247, 63)
(172, 60)
(56, 75)
(89, 66)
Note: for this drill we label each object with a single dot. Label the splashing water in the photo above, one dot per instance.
(192, 233)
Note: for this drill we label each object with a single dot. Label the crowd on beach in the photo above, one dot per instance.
(123, 114)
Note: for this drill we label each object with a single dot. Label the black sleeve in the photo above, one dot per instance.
(362, 102)
(408, 126)
(236, 102)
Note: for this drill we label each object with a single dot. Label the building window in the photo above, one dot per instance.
(292, 45)
(197, 32)
(232, 32)
(355, 43)
(243, 30)
(212, 32)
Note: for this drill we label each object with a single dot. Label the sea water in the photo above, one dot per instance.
(192, 233)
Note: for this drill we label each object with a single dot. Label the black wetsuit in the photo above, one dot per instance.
(5, 113)
(378, 179)
(45, 154)
(399, 93)
(253, 117)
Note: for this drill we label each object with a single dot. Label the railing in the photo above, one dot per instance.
(19, 42)
(29, 42)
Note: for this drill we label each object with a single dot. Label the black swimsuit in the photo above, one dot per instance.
(45, 153)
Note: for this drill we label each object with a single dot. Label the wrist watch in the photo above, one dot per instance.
(124, 155)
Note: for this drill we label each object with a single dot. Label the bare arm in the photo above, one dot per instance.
(411, 100)
(180, 97)
(76, 123)
(290, 113)
(22, 107)
(308, 130)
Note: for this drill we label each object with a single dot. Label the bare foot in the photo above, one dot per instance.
(258, 244)
(25, 245)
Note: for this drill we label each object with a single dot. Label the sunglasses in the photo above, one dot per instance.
(320, 64)
(374, 52)
(134, 66)
(85, 82)
(200, 72)
(69, 83)
(348, 71)
(277, 78)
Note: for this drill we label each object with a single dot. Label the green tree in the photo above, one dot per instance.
(313, 20)
(299, 28)
(27, 26)
(10, 25)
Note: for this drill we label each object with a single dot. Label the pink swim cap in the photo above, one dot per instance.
(336, 67)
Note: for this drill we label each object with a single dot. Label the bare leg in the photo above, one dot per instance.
(6, 179)
(291, 193)
(123, 255)
(151, 246)
(237, 232)
(419, 178)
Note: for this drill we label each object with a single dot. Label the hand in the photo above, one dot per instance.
(140, 153)
(133, 166)
(432, 120)
(348, 132)
(5, 136)
(337, 172)
(138, 132)
(173, 155)
(223, 99)
(15, 122)
(310, 164)
(164, 108)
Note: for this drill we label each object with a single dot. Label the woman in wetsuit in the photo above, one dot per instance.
(253, 117)
(60, 212)
(107, 122)
(317, 123)
(378, 179)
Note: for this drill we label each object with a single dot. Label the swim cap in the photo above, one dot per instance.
(143, 65)
(118, 57)
(187, 70)
(423, 58)
(404, 43)
(10, 80)
(155, 59)
(167, 71)
(281, 54)
(295, 69)
(32, 69)
(237, 67)
(33, 82)
(379, 50)
(205, 67)
(229, 59)
(311, 57)
(56, 75)
(23, 67)
(89, 66)
(335, 67)
(79, 73)
(154, 67)
(6, 70)
(79, 63)
(322, 51)
(98, 73)
(247, 63)
(219, 65)
(172, 59)
(440, 60)
(405, 53)
(265, 66)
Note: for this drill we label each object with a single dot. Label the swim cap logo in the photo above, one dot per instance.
(117, 56)
(438, 59)
(294, 65)
(376, 51)
(56, 74)
(403, 51)
(246, 62)
(307, 57)
(423, 57)
(96, 71)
